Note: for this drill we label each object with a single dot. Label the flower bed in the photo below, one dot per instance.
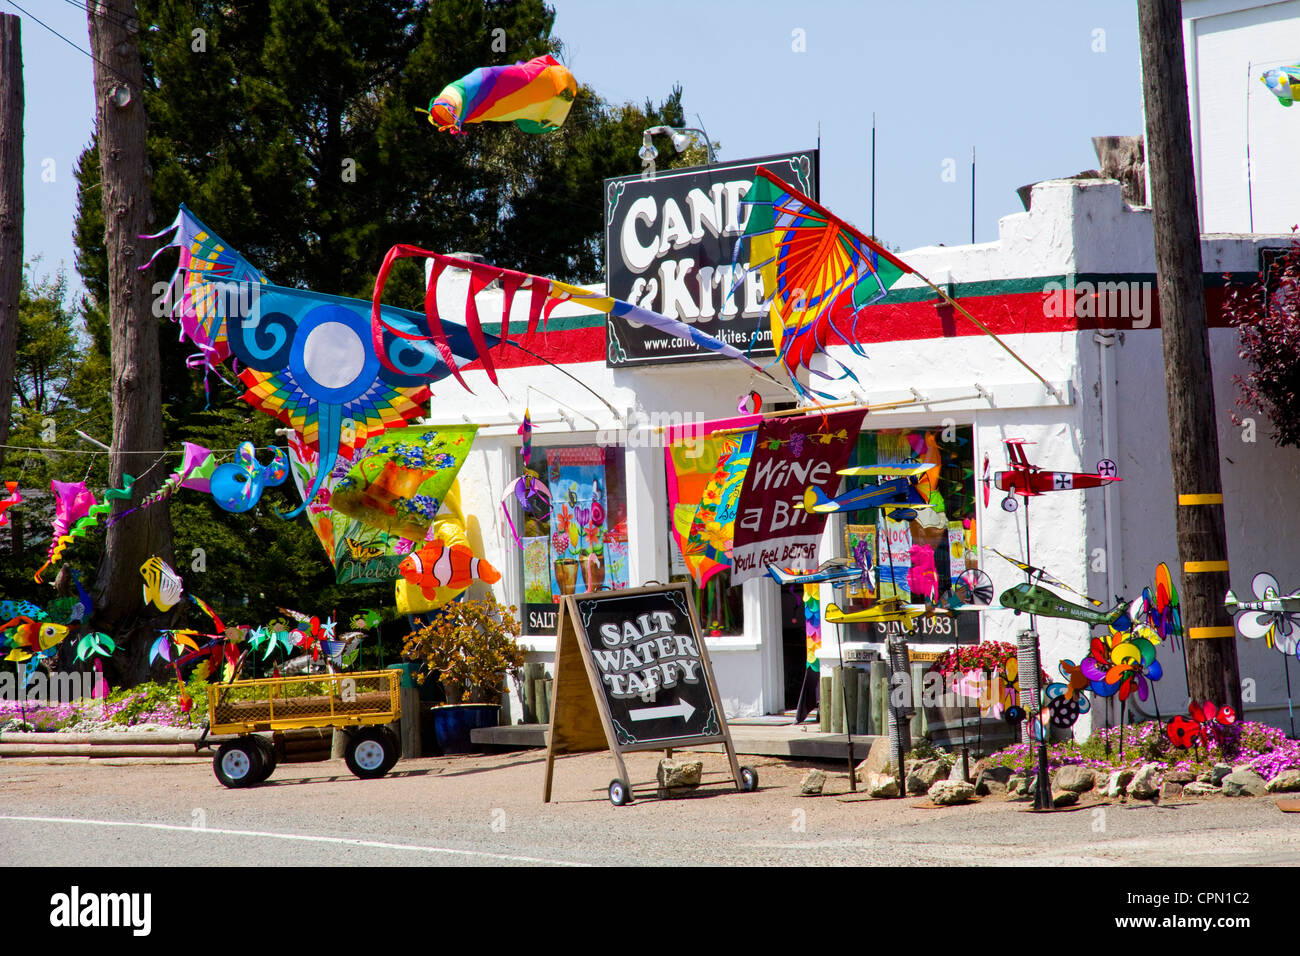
(1266, 749)
(150, 705)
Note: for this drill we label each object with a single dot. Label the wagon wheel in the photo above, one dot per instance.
(269, 758)
(238, 763)
(748, 779)
(370, 753)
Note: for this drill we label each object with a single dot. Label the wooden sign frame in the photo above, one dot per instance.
(581, 721)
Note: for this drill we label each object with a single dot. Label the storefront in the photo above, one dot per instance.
(1069, 285)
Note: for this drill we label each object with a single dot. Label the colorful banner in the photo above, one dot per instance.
(713, 529)
(401, 482)
(690, 462)
(790, 455)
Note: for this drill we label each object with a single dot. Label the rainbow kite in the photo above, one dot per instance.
(820, 273)
(535, 96)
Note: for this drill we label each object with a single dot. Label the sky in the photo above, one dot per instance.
(1026, 84)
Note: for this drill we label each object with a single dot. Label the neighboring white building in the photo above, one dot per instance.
(1228, 44)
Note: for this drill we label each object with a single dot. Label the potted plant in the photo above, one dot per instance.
(471, 645)
(974, 688)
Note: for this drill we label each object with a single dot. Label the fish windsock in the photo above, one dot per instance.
(439, 565)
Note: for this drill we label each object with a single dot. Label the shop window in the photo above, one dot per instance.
(917, 552)
(579, 543)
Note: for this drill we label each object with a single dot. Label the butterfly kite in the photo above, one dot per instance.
(535, 96)
(306, 358)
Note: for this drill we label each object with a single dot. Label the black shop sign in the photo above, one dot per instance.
(669, 243)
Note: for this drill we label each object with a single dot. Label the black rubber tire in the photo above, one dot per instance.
(1009, 504)
(238, 763)
(269, 759)
(748, 779)
(620, 794)
(370, 753)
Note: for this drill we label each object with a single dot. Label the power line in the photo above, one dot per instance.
(107, 66)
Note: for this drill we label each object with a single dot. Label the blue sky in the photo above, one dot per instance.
(1026, 83)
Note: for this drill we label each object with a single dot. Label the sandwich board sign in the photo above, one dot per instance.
(632, 674)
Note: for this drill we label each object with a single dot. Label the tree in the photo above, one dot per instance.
(289, 127)
(1267, 315)
(136, 386)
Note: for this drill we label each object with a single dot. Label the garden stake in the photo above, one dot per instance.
(844, 701)
(1289, 710)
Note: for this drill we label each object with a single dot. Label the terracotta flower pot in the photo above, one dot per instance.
(566, 575)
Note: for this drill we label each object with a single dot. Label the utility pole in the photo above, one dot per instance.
(1193, 439)
(137, 385)
(11, 209)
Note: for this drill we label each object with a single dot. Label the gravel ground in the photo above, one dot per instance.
(487, 810)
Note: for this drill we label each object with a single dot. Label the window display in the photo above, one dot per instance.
(580, 543)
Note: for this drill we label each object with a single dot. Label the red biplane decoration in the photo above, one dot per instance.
(1025, 479)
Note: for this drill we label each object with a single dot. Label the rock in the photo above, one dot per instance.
(1220, 771)
(812, 783)
(1288, 781)
(1018, 785)
(1244, 783)
(925, 775)
(1065, 798)
(1144, 785)
(879, 761)
(882, 785)
(675, 774)
(1170, 788)
(909, 767)
(1179, 776)
(1204, 777)
(1074, 778)
(992, 780)
(1200, 789)
(1118, 782)
(945, 793)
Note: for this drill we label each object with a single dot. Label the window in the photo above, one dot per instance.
(579, 543)
(917, 552)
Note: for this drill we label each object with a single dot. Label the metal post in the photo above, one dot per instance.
(1027, 659)
(900, 692)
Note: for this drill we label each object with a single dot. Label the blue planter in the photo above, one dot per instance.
(453, 722)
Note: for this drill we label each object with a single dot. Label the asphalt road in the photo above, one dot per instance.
(487, 811)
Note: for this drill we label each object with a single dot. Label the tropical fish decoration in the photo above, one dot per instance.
(162, 585)
(237, 486)
(439, 565)
(1283, 82)
(535, 95)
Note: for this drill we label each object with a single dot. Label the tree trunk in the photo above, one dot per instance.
(136, 389)
(11, 209)
(1193, 437)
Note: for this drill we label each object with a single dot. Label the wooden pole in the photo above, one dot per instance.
(137, 384)
(1212, 672)
(11, 208)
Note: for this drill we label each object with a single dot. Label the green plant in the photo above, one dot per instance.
(472, 646)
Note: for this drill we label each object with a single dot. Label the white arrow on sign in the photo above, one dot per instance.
(682, 709)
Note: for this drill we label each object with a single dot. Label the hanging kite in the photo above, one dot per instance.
(306, 358)
(820, 273)
(544, 296)
(535, 96)
(1283, 82)
(88, 520)
(237, 486)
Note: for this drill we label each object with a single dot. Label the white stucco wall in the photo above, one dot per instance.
(1227, 45)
